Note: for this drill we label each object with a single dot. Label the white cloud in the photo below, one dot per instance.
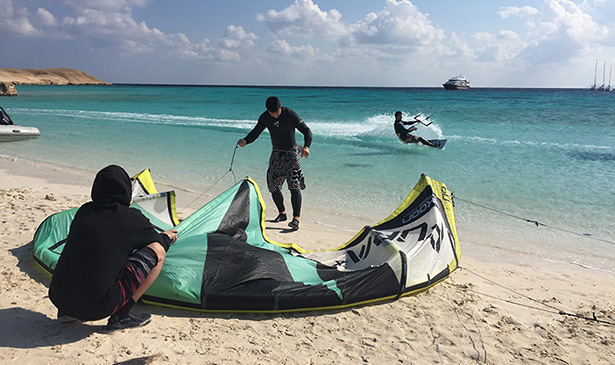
(16, 20)
(109, 25)
(459, 47)
(307, 43)
(107, 5)
(22, 26)
(282, 47)
(304, 19)
(558, 18)
(45, 17)
(236, 36)
(516, 11)
(576, 23)
(559, 31)
(400, 23)
(501, 47)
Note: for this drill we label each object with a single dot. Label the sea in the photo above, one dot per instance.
(532, 170)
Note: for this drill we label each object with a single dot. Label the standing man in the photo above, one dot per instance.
(284, 161)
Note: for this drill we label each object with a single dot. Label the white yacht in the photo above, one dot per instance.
(457, 83)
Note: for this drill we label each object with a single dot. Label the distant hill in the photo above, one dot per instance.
(48, 76)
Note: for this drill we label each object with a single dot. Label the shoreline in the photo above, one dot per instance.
(486, 312)
(324, 228)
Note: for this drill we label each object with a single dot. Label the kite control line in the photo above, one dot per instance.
(221, 177)
(549, 308)
(535, 222)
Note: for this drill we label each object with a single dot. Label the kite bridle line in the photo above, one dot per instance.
(217, 181)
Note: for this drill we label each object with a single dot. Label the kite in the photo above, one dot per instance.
(223, 260)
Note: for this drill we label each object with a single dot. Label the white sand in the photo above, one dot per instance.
(486, 312)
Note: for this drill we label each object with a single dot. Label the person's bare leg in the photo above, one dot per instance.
(153, 274)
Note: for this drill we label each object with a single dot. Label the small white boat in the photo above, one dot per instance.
(10, 132)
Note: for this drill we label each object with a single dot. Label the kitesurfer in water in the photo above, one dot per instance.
(284, 161)
(111, 257)
(403, 133)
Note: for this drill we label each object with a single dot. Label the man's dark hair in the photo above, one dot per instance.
(397, 113)
(273, 104)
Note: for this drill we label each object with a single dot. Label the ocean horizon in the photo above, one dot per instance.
(269, 86)
(513, 156)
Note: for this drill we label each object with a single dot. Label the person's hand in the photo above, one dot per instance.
(305, 152)
(242, 142)
(172, 234)
(413, 128)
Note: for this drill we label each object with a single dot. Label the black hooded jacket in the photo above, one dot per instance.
(104, 233)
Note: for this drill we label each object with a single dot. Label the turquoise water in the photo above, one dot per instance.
(545, 155)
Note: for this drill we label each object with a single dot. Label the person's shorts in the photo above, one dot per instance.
(285, 166)
(138, 266)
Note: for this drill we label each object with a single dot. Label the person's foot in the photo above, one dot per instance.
(294, 224)
(280, 218)
(133, 320)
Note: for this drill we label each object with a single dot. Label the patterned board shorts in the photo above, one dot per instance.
(138, 266)
(285, 166)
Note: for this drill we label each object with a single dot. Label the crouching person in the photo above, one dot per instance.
(111, 257)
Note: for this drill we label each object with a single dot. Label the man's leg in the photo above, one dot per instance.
(275, 179)
(278, 199)
(295, 199)
(142, 269)
(426, 142)
(154, 272)
(296, 183)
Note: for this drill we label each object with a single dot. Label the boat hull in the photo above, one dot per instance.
(455, 87)
(9, 133)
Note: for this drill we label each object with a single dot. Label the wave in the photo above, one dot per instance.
(377, 127)
(380, 125)
(529, 143)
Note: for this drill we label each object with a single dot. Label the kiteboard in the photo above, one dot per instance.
(437, 143)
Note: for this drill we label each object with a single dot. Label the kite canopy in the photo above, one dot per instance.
(223, 260)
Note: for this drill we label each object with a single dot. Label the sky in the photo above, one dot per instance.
(378, 43)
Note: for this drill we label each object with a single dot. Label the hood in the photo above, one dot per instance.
(112, 186)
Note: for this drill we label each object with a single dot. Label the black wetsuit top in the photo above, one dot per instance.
(281, 129)
(400, 130)
(104, 232)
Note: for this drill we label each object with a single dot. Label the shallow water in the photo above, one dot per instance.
(512, 154)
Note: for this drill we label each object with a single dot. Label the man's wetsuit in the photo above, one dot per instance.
(402, 132)
(282, 130)
(284, 161)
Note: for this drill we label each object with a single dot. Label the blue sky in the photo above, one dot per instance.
(499, 43)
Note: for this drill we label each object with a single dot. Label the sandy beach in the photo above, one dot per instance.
(491, 311)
